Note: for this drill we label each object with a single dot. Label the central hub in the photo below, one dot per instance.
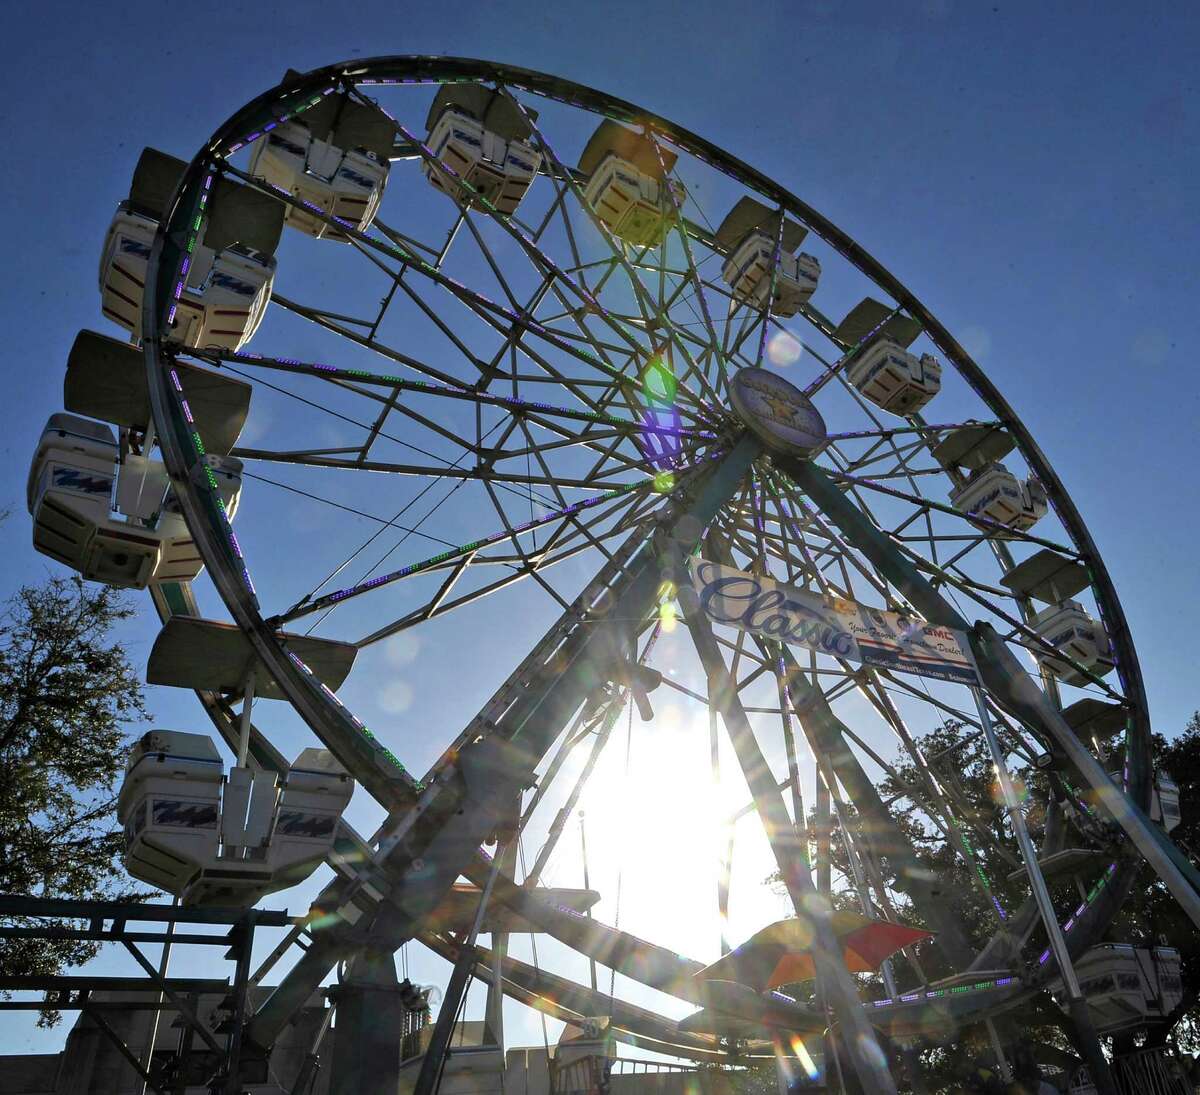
(778, 413)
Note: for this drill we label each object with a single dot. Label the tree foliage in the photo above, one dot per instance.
(67, 690)
(962, 767)
(1151, 917)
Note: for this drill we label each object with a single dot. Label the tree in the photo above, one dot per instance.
(67, 690)
(1149, 916)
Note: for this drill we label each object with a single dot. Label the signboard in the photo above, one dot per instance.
(779, 414)
(831, 625)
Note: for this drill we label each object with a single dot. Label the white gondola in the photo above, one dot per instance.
(995, 493)
(628, 185)
(1068, 627)
(224, 298)
(1164, 800)
(749, 233)
(883, 369)
(893, 378)
(114, 521)
(1164, 808)
(212, 839)
(484, 140)
(339, 182)
(334, 158)
(170, 806)
(633, 206)
(70, 497)
(748, 272)
(230, 271)
(1127, 986)
(316, 792)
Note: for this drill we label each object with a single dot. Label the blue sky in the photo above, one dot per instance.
(1029, 170)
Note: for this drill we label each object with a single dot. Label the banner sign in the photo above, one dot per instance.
(831, 625)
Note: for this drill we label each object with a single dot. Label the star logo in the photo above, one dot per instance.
(779, 413)
(781, 407)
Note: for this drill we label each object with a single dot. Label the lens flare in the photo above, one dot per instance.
(323, 920)
(804, 1057)
(402, 649)
(869, 1048)
(817, 906)
(658, 382)
(396, 697)
(660, 438)
(1022, 791)
(784, 348)
(667, 616)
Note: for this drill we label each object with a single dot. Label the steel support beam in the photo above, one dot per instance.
(834, 981)
(1097, 1065)
(66, 908)
(366, 1055)
(474, 795)
(826, 735)
(242, 937)
(117, 1041)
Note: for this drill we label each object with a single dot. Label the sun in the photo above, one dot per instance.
(658, 830)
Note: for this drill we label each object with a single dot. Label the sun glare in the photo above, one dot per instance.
(658, 829)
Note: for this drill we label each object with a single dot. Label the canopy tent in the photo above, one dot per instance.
(748, 216)
(493, 110)
(633, 147)
(237, 213)
(781, 953)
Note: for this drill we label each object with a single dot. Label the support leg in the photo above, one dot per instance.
(1097, 1065)
(117, 1041)
(366, 1040)
(242, 935)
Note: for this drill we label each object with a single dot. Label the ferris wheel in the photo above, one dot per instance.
(569, 359)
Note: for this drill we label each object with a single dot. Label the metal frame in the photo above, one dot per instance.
(74, 992)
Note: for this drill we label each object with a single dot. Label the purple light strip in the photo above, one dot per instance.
(278, 120)
(933, 427)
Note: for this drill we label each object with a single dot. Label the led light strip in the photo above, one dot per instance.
(415, 784)
(278, 120)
